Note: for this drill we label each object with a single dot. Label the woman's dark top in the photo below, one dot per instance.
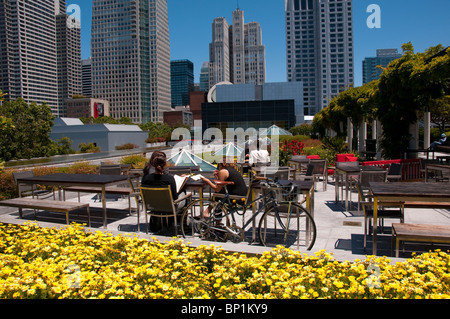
(239, 188)
(156, 180)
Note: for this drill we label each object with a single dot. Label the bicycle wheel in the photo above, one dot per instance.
(287, 224)
(199, 219)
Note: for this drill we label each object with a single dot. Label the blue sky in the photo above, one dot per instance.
(424, 23)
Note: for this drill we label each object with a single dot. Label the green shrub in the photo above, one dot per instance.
(89, 148)
(136, 161)
(128, 146)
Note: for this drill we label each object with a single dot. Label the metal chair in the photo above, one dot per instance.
(31, 190)
(316, 170)
(395, 172)
(364, 180)
(158, 202)
(382, 213)
(281, 172)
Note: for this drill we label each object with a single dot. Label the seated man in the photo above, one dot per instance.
(258, 157)
(440, 142)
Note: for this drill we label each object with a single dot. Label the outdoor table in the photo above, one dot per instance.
(298, 164)
(443, 159)
(342, 176)
(90, 180)
(435, 168)
(405, 192)
(195, 185)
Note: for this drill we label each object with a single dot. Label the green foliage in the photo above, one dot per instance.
(89, 148)
(405, 89)
(64, 146)
(25, 130)
(303, 129)
(106, 120)
(8, 187)
(136, 161)
(127, 146)
(157, 130)
(440, 111)
(337, 145)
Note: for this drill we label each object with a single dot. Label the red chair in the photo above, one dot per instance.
(345, 158)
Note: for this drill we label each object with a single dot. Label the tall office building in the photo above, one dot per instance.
(371, 71)
(204, 77)
(68, 40)
(319, 48)
(86, 77)
(182, 81)
(31, 54)
(131, 58)
(236, 52)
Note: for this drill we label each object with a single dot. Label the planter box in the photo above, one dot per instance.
(151, 145)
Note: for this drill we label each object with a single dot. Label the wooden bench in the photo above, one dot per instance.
(438, 205)
(419, 233)
(50, 205)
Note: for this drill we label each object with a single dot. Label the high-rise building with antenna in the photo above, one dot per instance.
(236, 52)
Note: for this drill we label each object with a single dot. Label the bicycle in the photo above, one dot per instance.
(215, 220)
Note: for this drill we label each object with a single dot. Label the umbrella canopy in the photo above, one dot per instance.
(229, 150)
(185, 158)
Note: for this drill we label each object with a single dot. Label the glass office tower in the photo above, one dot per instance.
(371, 71)
(131, 58)
(182, 81)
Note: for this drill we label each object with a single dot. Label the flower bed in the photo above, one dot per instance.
(69, 263)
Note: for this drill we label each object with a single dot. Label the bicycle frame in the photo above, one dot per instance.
(230, 210)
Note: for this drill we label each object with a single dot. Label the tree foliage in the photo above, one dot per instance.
(406, 88)
(25, 130)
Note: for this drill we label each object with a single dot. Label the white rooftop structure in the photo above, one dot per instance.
(106, 136)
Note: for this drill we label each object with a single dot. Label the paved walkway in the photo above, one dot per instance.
(339, 232)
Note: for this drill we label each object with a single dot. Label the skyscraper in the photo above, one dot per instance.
(204, 77)
(131, 58)
(86, 77)
(236, 52)
(34, 62)
(68, 44)
(182, 81)
(319, 48)
(371, 71)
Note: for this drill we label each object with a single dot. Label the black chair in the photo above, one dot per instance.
(395, 172)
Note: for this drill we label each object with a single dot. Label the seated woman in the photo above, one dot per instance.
(227, 172)
(155, 176)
